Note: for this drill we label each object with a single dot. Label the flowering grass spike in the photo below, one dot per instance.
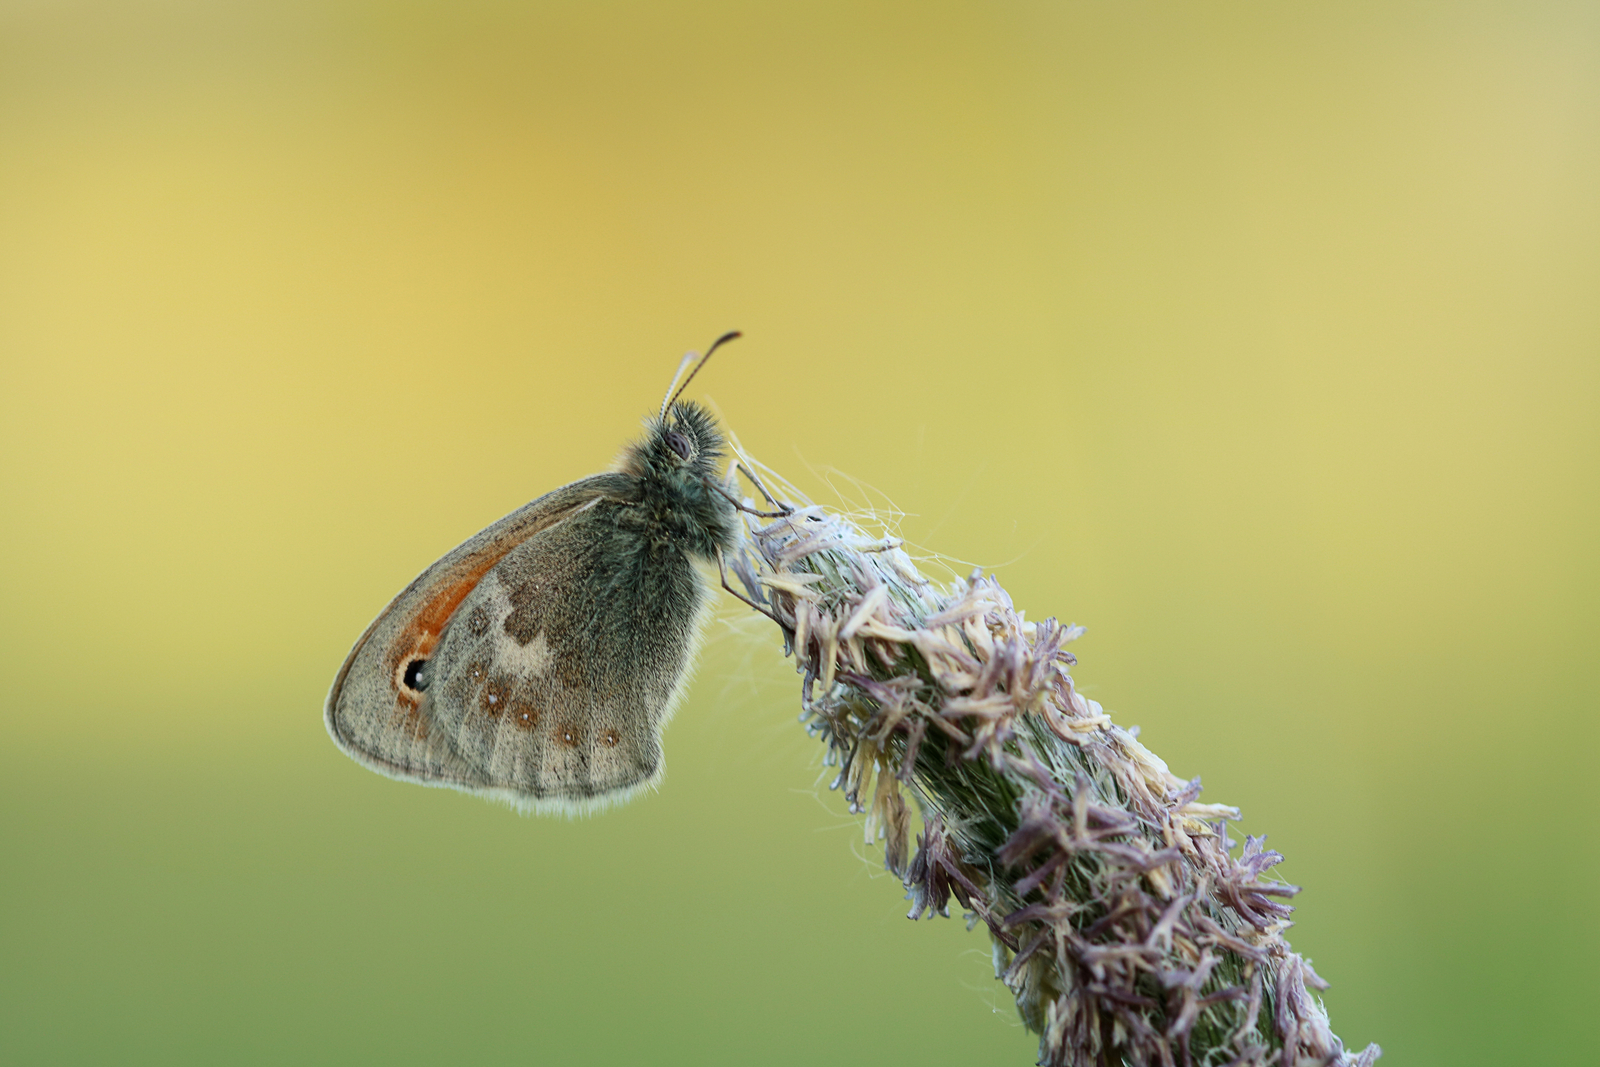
(1122, 919)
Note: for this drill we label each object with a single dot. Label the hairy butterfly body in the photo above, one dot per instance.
(538, 662)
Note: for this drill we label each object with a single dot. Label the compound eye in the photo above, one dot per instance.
(679, 444)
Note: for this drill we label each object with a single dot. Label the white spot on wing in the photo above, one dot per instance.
(525, 661)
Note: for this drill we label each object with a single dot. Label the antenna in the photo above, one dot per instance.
(688, 358)
(731, 335)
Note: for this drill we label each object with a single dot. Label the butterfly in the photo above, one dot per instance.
(539, 661)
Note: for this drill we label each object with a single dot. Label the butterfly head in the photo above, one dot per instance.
(676, 467)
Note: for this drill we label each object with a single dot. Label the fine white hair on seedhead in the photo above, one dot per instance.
(867, 507)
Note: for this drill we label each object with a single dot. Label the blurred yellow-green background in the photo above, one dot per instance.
(1261, 338)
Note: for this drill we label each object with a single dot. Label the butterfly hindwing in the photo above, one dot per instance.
(556, 675)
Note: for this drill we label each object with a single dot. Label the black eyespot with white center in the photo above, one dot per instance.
(679, 444)
(414, 677)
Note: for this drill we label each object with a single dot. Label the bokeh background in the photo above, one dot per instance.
(1260, 338)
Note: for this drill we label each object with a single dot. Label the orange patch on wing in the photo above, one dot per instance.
(421, 634)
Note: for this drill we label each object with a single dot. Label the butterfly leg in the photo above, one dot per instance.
(749, 511)
(783, 509)
(722, 566)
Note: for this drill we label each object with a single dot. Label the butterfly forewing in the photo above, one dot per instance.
(376, 711)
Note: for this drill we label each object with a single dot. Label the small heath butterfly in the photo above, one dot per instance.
(538, 662)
